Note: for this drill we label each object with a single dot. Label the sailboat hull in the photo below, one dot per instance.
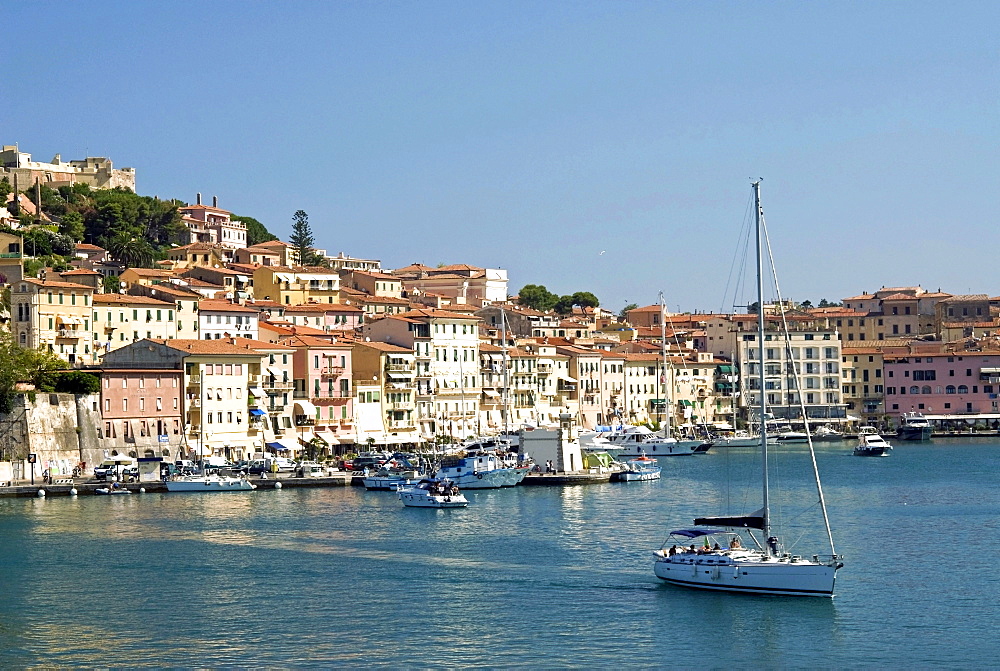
(784, 577)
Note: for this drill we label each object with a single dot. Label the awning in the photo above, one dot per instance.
(328, 438)
(491, 393)
(724, 369)
(753, 521)
(307, 407)
(403, 375)
(283, 444)
(257, 392)
(275, 373)
(242, 278)
(254, 412)
(69, 320)
(284, 277)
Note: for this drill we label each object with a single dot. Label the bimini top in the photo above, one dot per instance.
(754, 520)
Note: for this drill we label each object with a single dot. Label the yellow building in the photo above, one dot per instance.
(295, 286)
(55, 316)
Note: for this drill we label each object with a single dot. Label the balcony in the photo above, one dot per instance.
(277, 407)
(68, 333)
(305, 420)
(194, 380)
(332, 371)
(253, 380)
(544, 368)
(401, 405)
(399, 368)
(277, 384)
(194, 402)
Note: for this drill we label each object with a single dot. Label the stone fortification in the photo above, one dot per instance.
(62, 430)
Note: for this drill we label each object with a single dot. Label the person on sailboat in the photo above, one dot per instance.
(735, 544)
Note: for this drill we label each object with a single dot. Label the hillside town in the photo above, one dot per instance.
(235, 349)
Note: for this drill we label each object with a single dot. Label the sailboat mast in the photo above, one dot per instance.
(762, 418)
(505, 396)
(663, 371)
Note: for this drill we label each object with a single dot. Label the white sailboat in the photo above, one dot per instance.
(763, 567)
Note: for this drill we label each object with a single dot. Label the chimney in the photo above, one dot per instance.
(215, 201)
(199, 199)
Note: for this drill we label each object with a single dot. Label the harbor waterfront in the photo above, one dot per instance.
(538, 577)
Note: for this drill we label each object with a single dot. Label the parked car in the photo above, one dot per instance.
(361, 463)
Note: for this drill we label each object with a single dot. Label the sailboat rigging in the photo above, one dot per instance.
(765, 568)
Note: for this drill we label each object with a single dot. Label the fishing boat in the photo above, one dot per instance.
(112, 490)
(432, 493)
(826, 433)
(763, 566)
(914, 426)
(389, 479)
(871, 443)
(638, 469)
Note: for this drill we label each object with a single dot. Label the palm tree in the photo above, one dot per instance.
(133, 251)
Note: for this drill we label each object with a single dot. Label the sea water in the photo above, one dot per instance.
(531, 577)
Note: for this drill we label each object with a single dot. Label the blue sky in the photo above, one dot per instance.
(533, 136)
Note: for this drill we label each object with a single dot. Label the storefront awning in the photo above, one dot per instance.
(306, 407)
(283, 444)
(328, 438)
(491, 393)
(254, 412)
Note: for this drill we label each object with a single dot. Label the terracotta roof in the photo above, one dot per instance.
(299, 340)
(386, 347)
(84, 247)
(122, 299)
(203, 207)
(389, 300)
(900, 297)
(176, 291)
(56, 284)
(79, 271)
(428, 313)
(197, 246)
(222, 346)
(151, 272)
(291, 330)
(966, 297)
(219, 305)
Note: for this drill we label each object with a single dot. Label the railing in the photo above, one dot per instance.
(277, 384)
(69, 333)
(544, 368)
(305, 420)
(399, 368)
(253, 379)
(194, 379)
(402, 405)
(194, 403)
(334, 371)
(277, 407)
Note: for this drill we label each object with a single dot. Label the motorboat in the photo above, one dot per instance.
(914, 426)
(742, 439)
(432, 493)
(871, 443)
(826, 434)
(484, 469)
(210, 482)
(661, 446)
(763, 566)
(389, 479)
(640, 468)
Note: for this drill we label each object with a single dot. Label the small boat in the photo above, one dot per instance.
(826, 434)
(871, 443)
(389, 480)
(914, 426)
(638, 469)
(432, 493)
(209, 483)
(742, 439)
(113, 489)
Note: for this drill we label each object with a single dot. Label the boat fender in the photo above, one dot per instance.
(277, 485)
(479, 475)
(447, 499)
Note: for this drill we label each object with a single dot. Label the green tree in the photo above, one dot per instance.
(256, 231)
(5, 189)
(22, 365)
(302, 238)
(112, 284)
(71, 225)
(623, 315)
(536, 296)
(585, 299)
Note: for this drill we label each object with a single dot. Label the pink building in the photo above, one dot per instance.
(141, 411)
(946, 383)
(323, 369)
